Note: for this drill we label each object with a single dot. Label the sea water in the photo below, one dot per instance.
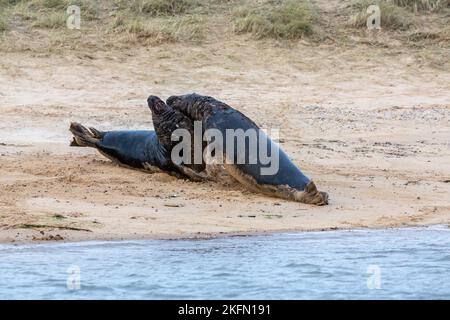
(411, 263)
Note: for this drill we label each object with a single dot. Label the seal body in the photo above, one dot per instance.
(135, 149)
(147, 150)
(287, 182)
(287, 173)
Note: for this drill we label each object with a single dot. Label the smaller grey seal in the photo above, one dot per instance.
(142, 149)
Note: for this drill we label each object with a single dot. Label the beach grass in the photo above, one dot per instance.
(423, 5)
(158, 30)
(287, 19)
(51, 13)
(393, 17)
(155, 7)
(148, 22)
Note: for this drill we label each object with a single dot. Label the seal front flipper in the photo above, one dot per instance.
(192, 174)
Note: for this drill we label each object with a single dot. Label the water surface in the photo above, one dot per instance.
(361, 264)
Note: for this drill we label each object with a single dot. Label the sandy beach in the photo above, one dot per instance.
(372, 132)
(369, 124)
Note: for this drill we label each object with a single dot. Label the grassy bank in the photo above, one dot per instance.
(118, 23)
(396, 15)
(291, 19)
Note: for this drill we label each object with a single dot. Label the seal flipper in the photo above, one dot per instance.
(311, 195)
(97, 134)
(82, 137)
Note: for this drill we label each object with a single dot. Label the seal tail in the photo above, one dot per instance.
(83, 137)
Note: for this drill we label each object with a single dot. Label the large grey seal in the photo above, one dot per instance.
(288, 182)
(143, 149)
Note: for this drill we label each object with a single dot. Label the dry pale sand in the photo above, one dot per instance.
(370, 126)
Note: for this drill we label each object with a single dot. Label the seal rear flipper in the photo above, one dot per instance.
(311, 195)
(82, 137)
(96, 133)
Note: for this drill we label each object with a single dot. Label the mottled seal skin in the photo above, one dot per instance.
(289, 182)
(165, 121)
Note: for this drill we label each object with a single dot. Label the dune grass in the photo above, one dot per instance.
(159, 30)
(6, 3)
(52, 13)
(157, 21)
(3, 24)
(5, 6)
(422, 38)
(89, 9)
(50, 20)
(137, 21)
(393, 17)
(155, 7)
(283, 19)
(396, 14)
(423, 5)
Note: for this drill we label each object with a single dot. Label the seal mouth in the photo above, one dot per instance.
(156, 104)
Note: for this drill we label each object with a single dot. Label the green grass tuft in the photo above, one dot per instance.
(393, 17)
(52, 13)
(50, 20)
(3, 24)
(6, 3)
(286, 19)
(160, 30)
(156, 7)
(423, 5)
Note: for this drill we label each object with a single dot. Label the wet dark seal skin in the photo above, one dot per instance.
(145, 150)
(288, 182)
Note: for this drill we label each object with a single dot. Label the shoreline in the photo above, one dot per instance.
(196, 237)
